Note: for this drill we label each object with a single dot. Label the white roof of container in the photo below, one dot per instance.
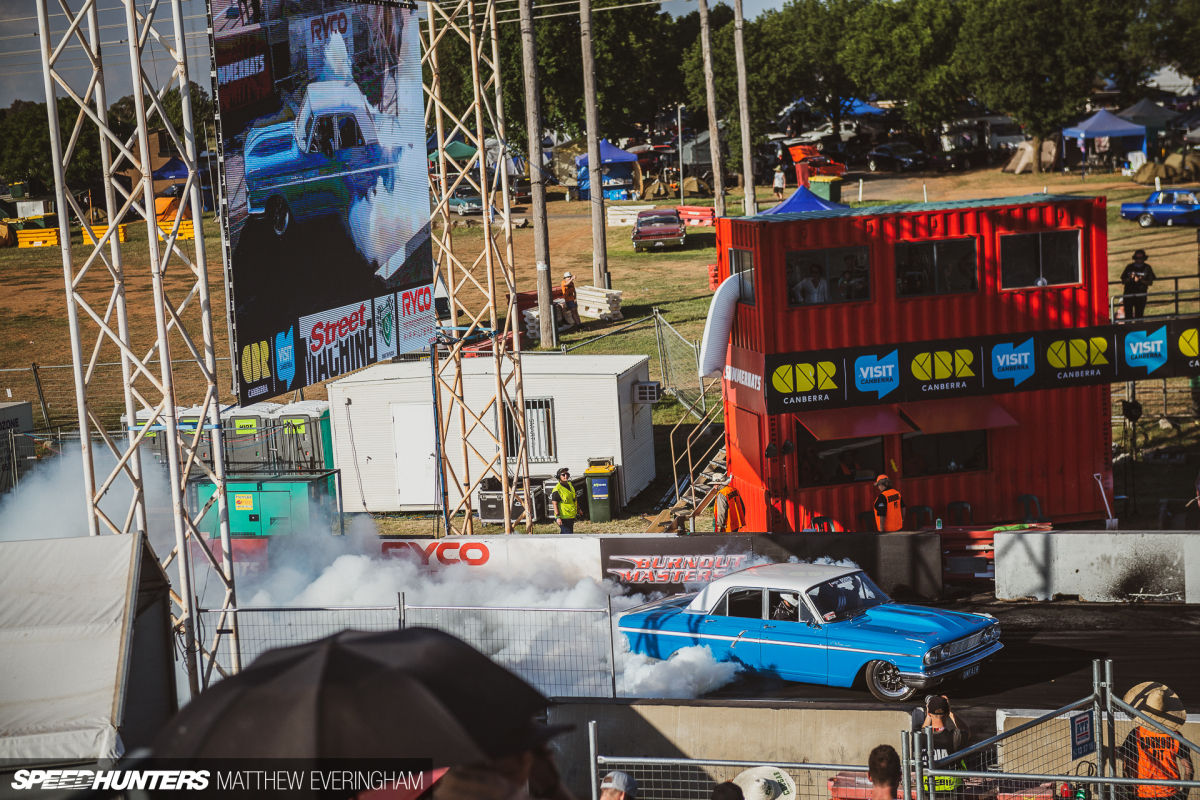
(788, 577)
(531, 364)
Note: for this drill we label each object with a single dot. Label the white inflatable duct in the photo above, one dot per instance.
(715, 343)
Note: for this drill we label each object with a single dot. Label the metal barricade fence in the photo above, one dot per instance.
(679, 363)
(563, 652)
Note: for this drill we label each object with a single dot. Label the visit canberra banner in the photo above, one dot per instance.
(324, 190)
(910, 371)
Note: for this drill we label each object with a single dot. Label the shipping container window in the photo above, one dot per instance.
(943, 453)
(824, 462)
(741, 262)
(818, 277)
(540, 440)
(1039, 259)
(945, 267)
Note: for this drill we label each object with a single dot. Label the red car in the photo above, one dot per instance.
(658, 227)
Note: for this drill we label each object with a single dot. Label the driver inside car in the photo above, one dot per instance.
(787, 610)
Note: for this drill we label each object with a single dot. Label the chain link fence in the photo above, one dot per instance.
(694, 779)
(563, 652)
(50, 389)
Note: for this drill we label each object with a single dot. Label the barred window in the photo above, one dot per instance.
(539, 431)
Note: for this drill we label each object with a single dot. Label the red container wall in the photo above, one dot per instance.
(887, 318)
(1063, 438)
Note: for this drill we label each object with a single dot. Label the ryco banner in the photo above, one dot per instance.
(906, 372)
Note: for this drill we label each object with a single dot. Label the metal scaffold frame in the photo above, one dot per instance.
(475, 275)
(97, 271)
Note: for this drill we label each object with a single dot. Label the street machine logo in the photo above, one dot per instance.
(338, 341)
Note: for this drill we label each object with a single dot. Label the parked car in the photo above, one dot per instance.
(658, 227)
(317, 164)
(1169, 207)
(819, 624)
(899, 157)
(520, 190)
(848, 131)
(465, 200)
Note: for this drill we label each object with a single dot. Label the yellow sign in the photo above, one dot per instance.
(792, 378)
(294, 426)
(1189, 344)
(256, 361)
(243, 502)
(1077, 352)
(245, 426)
(943, 364)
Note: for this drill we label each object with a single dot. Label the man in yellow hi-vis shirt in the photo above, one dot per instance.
(566, 506)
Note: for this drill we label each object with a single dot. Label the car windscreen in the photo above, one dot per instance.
(845, 597)
(646, 222)
(904, 149)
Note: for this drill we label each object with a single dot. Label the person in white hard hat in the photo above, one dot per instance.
(569, 305)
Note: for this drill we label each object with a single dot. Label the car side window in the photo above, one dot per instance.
(787, 607)
(324, 136)
(349, 134)
(743, 603)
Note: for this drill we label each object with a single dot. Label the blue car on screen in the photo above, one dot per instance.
(318, 163)
(1168, 207)
(818, 624)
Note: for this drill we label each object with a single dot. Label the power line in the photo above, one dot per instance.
(102, 27)
(77, 46)
(85, 63)
(61, 14)
(594, 10)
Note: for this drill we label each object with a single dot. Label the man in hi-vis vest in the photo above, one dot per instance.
(566, 505)
(889, 506)
(730, 511)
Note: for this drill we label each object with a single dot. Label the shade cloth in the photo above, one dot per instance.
(1148, 113)
(852, 423)
(958, 414)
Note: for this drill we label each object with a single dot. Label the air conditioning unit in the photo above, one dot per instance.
(647, 392)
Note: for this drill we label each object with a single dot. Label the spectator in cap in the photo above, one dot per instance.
(727, 791)
(883, 767)
(569, 305)
(566, 505)
(889, 506)
(618, 786)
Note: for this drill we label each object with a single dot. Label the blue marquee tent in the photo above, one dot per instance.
(618, 172)
(803, 200)
(1106, 124)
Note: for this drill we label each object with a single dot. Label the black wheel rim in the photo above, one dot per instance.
(279, 217)
(887, 680)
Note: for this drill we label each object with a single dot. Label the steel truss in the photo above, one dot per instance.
(489, 435)
(95, 278)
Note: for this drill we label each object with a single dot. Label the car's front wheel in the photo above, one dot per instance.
(461, 210)
(278, 215)
(1146, 220)
(883, 679)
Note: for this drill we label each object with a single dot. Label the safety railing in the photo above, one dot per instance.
(563, 652)
(694, 779)
(1160, 303)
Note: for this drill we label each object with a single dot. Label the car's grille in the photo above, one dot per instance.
(962, 645)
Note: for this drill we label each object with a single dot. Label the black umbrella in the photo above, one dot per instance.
(417, 693)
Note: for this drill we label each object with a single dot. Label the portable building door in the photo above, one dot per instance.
(416, 454)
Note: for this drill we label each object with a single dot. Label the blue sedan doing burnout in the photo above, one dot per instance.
(817, 624)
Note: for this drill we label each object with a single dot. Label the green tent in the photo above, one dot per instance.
(456, 150)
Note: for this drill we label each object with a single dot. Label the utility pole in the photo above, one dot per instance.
(739, 48)
(595, 179)
(710, 94)
(679, 143)
(537, 181)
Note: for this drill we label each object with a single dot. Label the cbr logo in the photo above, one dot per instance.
(334, 23)
(943, 364)
(474, 553)
(415, 300)
(1077, 352)
(256, 361)
(804, 377)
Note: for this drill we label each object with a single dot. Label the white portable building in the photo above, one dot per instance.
(576, 407)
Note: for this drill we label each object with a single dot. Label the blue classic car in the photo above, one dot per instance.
(320, 162)
(1170, 207)
(817, 624)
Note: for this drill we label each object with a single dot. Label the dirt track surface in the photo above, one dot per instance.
(1047, 659)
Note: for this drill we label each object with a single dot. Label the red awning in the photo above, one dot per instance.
(959, 414)
(852, 423)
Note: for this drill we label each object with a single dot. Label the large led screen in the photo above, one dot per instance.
(324, 187)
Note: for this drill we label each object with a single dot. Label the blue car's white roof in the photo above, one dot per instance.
(789, 577)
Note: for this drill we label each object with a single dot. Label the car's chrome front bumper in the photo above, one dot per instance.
(943, 672)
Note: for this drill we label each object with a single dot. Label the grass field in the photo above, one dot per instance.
(33, 324)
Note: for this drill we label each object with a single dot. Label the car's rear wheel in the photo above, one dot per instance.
(883, 679)
(1146, 220)
(279, 216)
